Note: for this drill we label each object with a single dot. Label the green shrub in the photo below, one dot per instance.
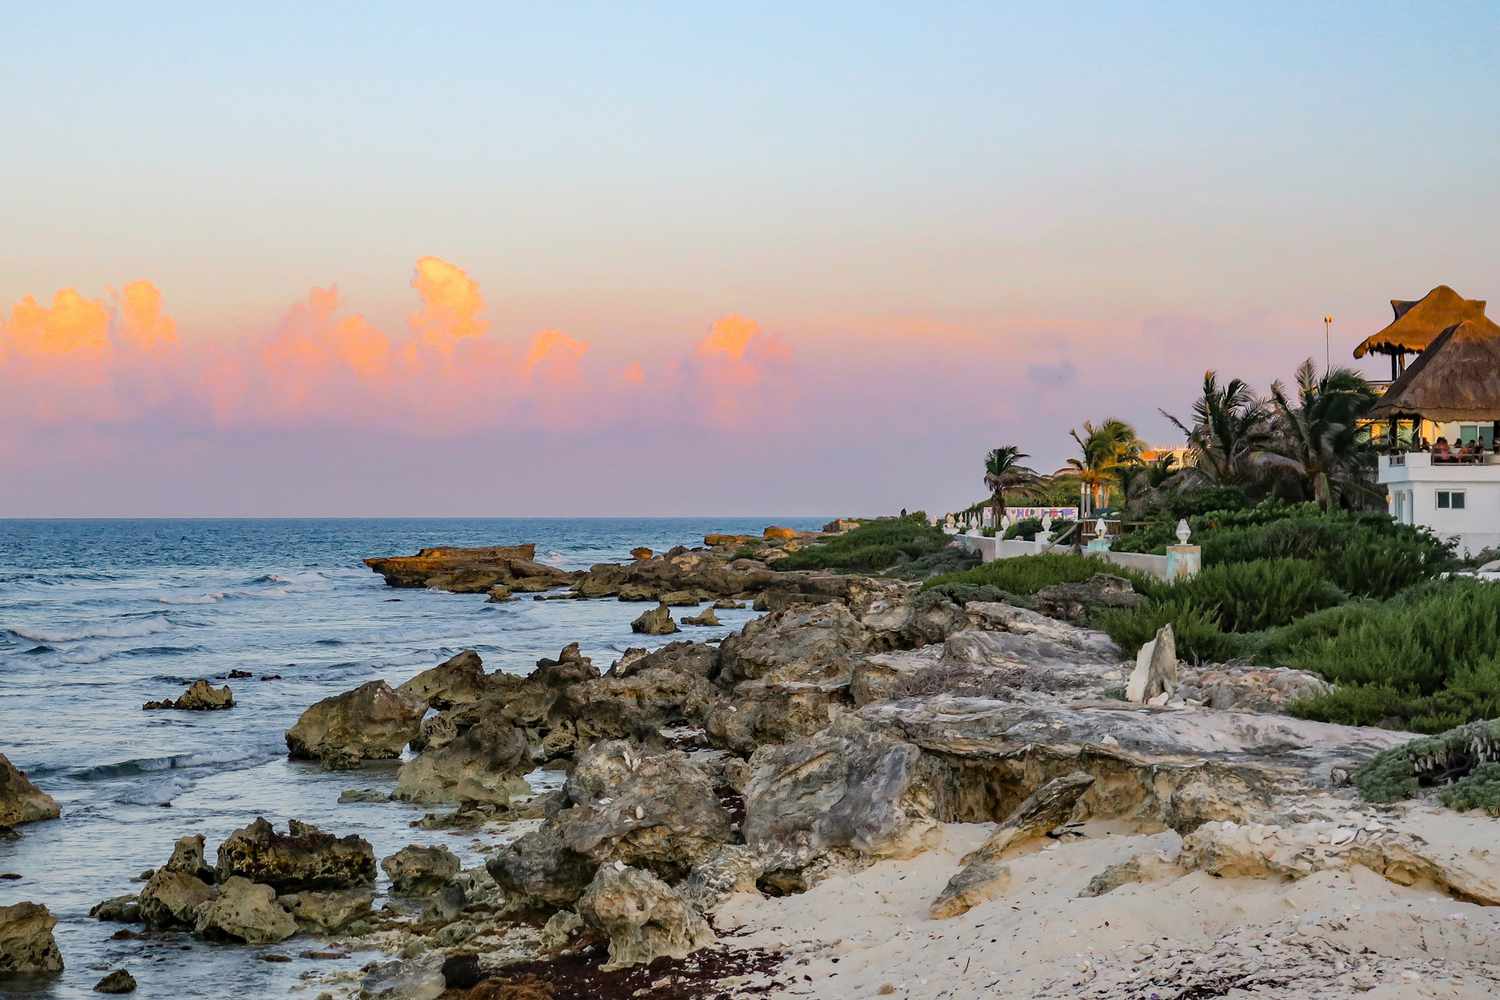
(1426, 661)
(1446, 761)
(1278, 645)
(874, 545)
(965, 593)
(1028, 574)
(1249, 596)
(1195, 628)
(1025, 529)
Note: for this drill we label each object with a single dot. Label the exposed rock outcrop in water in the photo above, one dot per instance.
(26, 943)
(20, 800)
(471, 570)
(200, 696)
(371, 722)
(303, 858)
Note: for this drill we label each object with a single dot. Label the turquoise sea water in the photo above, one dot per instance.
(98, 616)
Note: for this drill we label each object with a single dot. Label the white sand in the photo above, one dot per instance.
(868, 935)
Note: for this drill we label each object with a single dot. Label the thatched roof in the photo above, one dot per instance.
(1418, 323)
(1456, 378)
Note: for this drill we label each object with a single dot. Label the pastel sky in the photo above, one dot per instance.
(386, 258)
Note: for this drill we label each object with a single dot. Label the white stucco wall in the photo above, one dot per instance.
(1413, 482)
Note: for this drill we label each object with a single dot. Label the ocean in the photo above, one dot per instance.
(99, 616)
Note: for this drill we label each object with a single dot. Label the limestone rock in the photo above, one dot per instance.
(200, 696)
(418, 979)
(118, 981)
(470, 570)
(641, 552)
(415, 870)
(1074, 602)
(244, 911)
(651, 810)
(640, 704)
(733, 868)
(20, 800)
(643, 917)
(570, 667)
(799, 643)
(371, 722)
(171, 899)
(500, 594)
(707, 617)
(330, 911)
(26, 943)
(484, 764)
(697, 658)
(560, 928)
(657, 621)
(459, 680)
(124, 909)
(776, 532)
(303, 858)
(1155, 671)
(983, 876)
(847, 788)
(187, 857)
(537, 866)
(761, 712)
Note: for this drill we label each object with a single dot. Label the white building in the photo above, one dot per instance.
(1451, 392)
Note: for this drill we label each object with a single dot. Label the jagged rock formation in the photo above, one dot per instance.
(200, 696)
(27, 946)
(643, 917)
(20, 800)
(371, 722)
(471, 570)
(301, 859)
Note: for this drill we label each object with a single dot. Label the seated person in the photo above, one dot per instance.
(1440, 450)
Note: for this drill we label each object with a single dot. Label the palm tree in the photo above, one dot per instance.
(1003, 471)
(1103, 450)
(1135, 476)
(1316, 438)
(1229, 424)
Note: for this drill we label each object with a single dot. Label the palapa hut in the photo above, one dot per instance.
(1418, 323)
(1453, 385)
(1455, 379)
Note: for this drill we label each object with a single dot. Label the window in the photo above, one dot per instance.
(1450, 499)
(1483, 433)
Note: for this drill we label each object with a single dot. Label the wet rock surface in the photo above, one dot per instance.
(27, 946)
(20, 800)
(371, 722)
(470, 570)
(301, 859)
(200, 696)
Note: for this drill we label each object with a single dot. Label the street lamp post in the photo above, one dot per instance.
(1327, 351)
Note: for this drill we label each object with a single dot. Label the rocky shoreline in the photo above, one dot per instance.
(867, 791)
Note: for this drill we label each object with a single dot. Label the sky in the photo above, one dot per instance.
(670, 259)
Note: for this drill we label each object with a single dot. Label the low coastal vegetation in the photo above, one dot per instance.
(909, 543)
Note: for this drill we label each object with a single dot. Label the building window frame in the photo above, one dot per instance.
(1451, 500)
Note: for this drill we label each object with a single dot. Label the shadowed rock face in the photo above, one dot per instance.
(20, 800)
(171, 899)
(470, 570)
(26, 943)
(303, 858)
